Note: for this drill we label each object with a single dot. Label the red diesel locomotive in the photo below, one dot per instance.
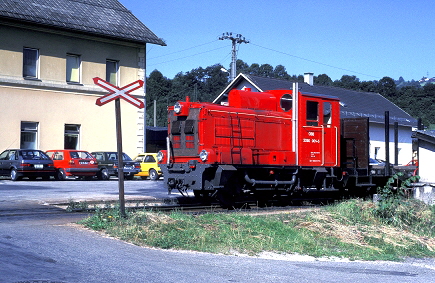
(266, 145)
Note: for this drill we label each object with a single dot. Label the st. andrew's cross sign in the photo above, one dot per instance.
(116, 93)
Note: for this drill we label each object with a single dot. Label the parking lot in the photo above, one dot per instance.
(47, 192)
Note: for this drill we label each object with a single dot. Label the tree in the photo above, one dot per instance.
(242, 67)
(387, 87)
(322, 79)
(214, 83)
(265, 70)
(158, 88)
(254, 69)
(348, 82)
(280, 73)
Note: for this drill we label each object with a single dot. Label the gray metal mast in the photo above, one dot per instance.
(238, 38)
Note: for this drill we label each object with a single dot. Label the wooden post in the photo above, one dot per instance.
(120, 158)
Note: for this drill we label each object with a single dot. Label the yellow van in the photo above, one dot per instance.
(149, 166)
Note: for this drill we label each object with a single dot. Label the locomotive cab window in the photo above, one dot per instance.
(286, 102)
(312, 113)
(327, 115)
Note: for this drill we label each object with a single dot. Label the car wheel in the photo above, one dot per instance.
(60, 175)
(103, 174)
(153, 175)
(14, 175)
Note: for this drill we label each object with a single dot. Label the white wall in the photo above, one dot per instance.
(426, 152)
(377, 139)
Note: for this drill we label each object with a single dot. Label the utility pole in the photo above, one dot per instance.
(238, 38)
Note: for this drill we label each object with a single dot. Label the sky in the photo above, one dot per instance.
(369, 39)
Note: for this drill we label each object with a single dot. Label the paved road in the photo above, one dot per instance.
(64, 191)
(43, 245)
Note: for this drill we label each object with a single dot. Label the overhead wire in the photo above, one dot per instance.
(187, 56)
(183, 50)
(263, 47)
(312, 61)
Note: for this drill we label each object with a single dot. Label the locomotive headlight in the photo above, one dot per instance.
(160, 156)
(177, 108)
(203, 155)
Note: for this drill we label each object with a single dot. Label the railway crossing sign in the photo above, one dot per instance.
(116, 92)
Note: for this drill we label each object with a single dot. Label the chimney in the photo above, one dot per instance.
(309, 78)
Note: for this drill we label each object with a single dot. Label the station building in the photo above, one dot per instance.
(49, 55)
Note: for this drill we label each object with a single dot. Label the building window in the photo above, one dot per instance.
(72, 68)
(112, 72)
(30, 63)
(72, 136)
(29, 135)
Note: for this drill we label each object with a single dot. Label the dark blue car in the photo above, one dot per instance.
(31, 163)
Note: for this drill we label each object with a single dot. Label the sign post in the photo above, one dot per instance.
(116, 94)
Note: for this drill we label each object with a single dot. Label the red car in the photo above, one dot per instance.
(71, 163)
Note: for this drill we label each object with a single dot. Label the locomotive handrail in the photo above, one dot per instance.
(266, 182)
(249, 114)
(336, 145)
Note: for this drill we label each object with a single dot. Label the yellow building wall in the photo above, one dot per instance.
(53, 109)
(52, 102)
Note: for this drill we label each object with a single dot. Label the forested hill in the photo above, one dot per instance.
(204, 84)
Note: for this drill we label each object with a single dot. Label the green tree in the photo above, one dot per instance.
(265, 70)
(322, 79)
(254, 69)
(242, 67)
(280, 73)
(158, 88)
(348, 82)
(387, 87)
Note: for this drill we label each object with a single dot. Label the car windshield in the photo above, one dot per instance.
(139, 158)
(33, 155)
(81, 155)
(114, 156)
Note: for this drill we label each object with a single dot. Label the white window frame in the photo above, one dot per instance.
(34, 74)
(73, 69)
(109, 75)
(71, 133)
(32, 128)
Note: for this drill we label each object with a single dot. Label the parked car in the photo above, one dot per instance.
(71, 163)
(108, 165)
(31, 163)
(149, 166)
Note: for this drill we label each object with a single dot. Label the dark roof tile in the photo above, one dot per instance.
(107, 18)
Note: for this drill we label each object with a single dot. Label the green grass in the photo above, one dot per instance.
(352, 229)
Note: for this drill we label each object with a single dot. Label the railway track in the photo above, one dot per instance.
(188, 205)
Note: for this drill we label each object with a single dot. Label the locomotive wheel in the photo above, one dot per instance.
(203, 196)
(226, 199)
(231, 192)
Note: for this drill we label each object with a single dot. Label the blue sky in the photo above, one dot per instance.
(369, 39)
